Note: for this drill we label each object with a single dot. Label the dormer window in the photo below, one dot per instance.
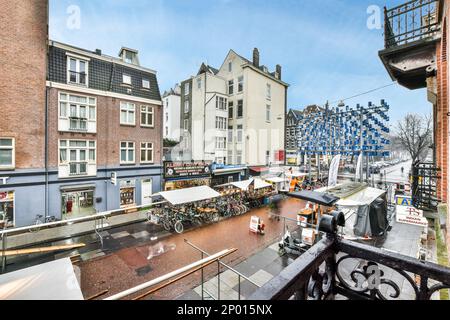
(126, 79)
(129, 56)
(77, 71)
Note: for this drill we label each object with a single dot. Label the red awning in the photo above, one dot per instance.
(259, 169)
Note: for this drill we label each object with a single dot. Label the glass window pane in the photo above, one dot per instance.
(92, 113)
(123, 144)
(92, 144)
(82, 112)
(6, 142)
(123, 156)
(123, 117)
(130, 155)
(63, 109)
(143, 119)
(91, 155)
(149, 156)
(82, 66)
(73, 65)
(63, 155)
(143, 155)
(73, 155)
(131, 117)
(6, 157)
(63, 143)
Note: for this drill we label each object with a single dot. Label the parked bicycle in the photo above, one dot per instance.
(39, 221)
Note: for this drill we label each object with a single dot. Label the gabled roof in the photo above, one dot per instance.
(204, 68)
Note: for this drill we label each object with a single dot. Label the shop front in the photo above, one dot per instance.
(223, 174)
(127, 193)
(7, 209)
(293, 158)
(77, 201)
(182, 175)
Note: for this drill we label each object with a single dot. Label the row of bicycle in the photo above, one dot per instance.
(175, 218)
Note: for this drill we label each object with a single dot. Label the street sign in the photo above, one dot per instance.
(403, 201)
(114, 178)
(254, 224)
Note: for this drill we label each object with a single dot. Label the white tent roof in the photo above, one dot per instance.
(276, 180)
(259, 184)
(361, 198)
(54, 280)
(189, 195)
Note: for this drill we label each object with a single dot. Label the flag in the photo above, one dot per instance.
(334, 168)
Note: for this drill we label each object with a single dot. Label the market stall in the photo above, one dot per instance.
(55, 280)
(189, 195)
(278, 183)
(366, 213)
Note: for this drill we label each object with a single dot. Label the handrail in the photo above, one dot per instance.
(101, 215)
(223, 264)
(170, 275)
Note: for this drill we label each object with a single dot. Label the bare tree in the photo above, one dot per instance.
(415, 135)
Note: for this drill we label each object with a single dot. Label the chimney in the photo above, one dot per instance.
(98, 51)
(278, 71)
(256, 57)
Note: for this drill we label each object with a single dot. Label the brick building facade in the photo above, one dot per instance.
(81, 117)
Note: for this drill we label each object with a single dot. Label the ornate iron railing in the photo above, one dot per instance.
(413, 21)
(425, 176)
(336, 268)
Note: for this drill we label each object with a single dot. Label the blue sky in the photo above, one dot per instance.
(324, 46)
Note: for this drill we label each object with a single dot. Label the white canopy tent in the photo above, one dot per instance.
(276, 180)
(182, 196)
(259, 184)
(55, 280)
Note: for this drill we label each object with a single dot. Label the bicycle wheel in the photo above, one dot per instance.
(179, 228)
(167, 225)
(36, 226)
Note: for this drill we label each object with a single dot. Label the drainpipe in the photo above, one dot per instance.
(204, 119)
(46, 155)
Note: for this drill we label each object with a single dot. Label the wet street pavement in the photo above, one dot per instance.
(126, 268)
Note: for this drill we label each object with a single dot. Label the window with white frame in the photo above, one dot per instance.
(127, 113)
(241, 84)
(230, 134)
(221, 143)
(230, 157)
(240, 134)
(126, 79)
(230, 66)
(146, 152)
(77, 71)
(221, 103)
(186, 125)
(186, 106)
(239, 157)
(187, 88)
(127, 151)
(7, 153)
(199, 83)
(230, 110)
(230, 87)
(268, 113)
(147, 116)
(221, 123)
(77, 154)
(77, 110)
(145, 83)
(240, 108)
(269, 91)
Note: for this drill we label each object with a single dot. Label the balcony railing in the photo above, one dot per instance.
(340, 268)
(77, 169)
(413, 21)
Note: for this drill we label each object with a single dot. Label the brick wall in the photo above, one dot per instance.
(23, 51)
(109, 131)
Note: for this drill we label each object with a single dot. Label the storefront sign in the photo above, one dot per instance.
(403, 201)
(254, 224)
(174, 170)
(279, 156)
(411, 215)
(308, 236)
(128, 183)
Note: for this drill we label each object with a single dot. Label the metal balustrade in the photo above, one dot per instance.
(410, 22)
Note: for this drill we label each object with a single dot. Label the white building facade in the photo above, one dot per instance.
(171, 114)
(236, 114)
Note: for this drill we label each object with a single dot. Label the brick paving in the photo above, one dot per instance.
(125, 268)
